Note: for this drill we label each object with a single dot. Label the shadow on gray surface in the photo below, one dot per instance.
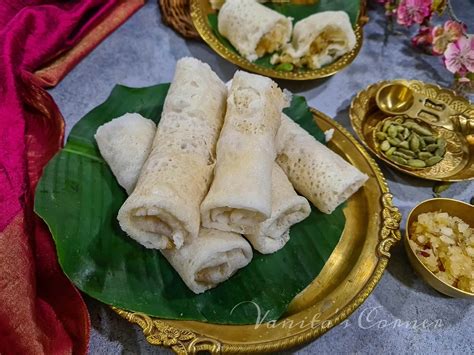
(342, 115)
(111, 326)
(298, 87)
(109, 330)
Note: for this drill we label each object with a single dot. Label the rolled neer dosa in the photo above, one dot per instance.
(163, 210)
(315, 171)
(241, 194)
(252, 28)
(288, 208)
(134, 132)
(211, 258)
(319, 40)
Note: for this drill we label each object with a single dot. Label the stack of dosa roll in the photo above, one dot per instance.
(221, 168)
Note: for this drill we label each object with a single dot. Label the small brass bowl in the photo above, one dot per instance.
(395, 98)
(456, 208)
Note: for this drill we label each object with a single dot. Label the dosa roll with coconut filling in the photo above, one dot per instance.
(240, 196)
(318, 40)
(134, 132)
(315, 171)
(252, 28)
(163, 210)
(210, 259)
(288, 208)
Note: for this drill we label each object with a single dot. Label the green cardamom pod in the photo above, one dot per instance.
(389, 152)
(416, 163)
(406, 133)
(392, 131)
(441, 142)
(430, 140)
(431, 147)
(433, 160)
(386, 124)
(401, 155)
(421, 130)
(385, 146)
(407, 152)
(441, 187)
(404, 145)
(422, 143)
(398, 160)
(414, 143)
(440, 151)
(424, 155)
(394, 141)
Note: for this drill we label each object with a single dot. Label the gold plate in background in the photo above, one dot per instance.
(349, 276)
(457, 164)
(200, 9)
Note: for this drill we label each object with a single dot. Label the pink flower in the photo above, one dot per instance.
(454, 29)
(423, 39)
(413, 11)
(459, 56)
(443, 35)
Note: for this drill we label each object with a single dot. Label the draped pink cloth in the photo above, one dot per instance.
(40, 310)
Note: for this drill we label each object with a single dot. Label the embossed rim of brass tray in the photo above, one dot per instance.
(347, 279)
(201, 8)
(364, 114)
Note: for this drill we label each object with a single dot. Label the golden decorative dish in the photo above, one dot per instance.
(454, 208)
(200, 9)
(458, 162)
(347, 279)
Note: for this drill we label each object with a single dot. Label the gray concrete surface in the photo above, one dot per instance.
(143, 52)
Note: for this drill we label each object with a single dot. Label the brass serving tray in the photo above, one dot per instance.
(458, 162)
(200, 9)
(347, 279)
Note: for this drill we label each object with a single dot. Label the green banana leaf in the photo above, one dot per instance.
(297, 12)
(78, 197)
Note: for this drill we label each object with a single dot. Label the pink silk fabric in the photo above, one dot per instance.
(40, 310)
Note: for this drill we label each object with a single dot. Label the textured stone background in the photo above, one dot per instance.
(143, 52)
